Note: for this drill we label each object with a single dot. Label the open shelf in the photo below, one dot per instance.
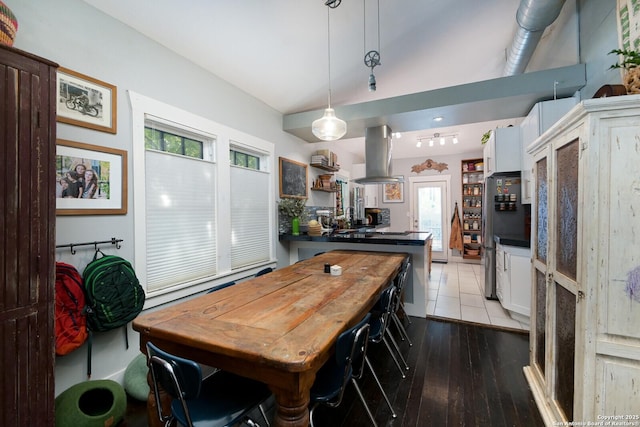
(472, 189)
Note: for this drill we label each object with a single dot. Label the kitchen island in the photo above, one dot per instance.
(418, 245)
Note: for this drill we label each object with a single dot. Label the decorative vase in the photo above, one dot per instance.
(8, 25)
(631, 80)
(295, 226)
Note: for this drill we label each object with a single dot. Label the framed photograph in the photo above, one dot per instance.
(393, 192)
(293, 179)
(85, 101)
(90, 180)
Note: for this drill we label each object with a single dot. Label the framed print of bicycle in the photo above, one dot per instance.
(85, 101)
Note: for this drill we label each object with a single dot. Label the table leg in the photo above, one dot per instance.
(292, 410)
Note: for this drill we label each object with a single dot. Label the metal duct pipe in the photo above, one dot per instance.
(532, 18)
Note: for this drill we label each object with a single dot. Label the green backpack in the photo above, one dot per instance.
(114, 296)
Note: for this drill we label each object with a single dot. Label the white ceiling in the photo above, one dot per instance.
(276, 50)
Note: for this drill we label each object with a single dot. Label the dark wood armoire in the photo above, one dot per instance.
(27, 243)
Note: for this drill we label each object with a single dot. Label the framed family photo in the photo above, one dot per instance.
(393, 192)
(90, 180)
(293, 179)
(85, 101)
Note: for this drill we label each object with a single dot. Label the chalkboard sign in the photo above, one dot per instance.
(293, 179)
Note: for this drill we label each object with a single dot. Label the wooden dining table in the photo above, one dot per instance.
(279, 328)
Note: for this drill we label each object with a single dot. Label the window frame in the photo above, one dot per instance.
(144, 109)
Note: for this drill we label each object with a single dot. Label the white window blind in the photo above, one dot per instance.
(250, 241)
(180, 219)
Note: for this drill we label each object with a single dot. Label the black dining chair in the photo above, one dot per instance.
(346, 366)
(380, 333)
(378, 323)
(218, 287)
(264, 271)
(223, 399)
(400, 281)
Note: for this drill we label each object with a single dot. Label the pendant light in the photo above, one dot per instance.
(329, 127)
(372, 57)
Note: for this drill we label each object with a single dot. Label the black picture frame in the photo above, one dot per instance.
(293, 179)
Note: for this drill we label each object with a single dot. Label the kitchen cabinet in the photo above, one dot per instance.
(27, 215)
(472, 188)
(371, 195)
(513, 280)
(584, 336)
(501, 153)
(371, 191)
(542, 116)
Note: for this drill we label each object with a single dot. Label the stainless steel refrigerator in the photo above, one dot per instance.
(501, 216)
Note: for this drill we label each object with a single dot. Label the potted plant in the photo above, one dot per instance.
(630, 62)
(293, 209)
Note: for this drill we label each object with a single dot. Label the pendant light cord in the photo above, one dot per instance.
(329, 52)
(364, 31)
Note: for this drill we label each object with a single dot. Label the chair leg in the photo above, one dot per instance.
(395, 344)
(401, 328)
(375, 377)
(248, 421)
(313, 408)
(393, 356)
(366, 407)
(405, 312)
(264, 415)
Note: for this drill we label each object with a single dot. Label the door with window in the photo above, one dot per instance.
(429, 211)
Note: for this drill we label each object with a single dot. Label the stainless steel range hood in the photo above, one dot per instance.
(377, 151)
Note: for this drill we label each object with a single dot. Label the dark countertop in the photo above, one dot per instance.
(379, 237)
(512, 240)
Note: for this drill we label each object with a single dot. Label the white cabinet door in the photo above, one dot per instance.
(513, 279)
(371, 195)
(542, 116)
(501, 278)
(519, 279)
(502, 151)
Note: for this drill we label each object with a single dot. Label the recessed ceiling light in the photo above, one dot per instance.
(438, 119)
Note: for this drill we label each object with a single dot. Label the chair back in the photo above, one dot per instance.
(180, 378)
(400, 281)
(381, 312)
(264, 271)
(351, 349)
(218, 287)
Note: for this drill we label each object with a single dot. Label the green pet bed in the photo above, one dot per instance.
(97, 403)
(135, 378)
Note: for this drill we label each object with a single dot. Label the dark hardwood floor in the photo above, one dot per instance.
(461, 374)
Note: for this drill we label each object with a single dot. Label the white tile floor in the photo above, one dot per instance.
(456, 291)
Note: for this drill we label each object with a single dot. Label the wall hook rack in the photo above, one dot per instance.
(95, 244)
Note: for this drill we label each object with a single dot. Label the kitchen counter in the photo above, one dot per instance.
(417, 245)
(513, 240)
(376, 237)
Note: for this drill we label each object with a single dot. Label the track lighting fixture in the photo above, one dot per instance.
(442, 139)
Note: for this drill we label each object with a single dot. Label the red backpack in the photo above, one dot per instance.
(71, 320)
